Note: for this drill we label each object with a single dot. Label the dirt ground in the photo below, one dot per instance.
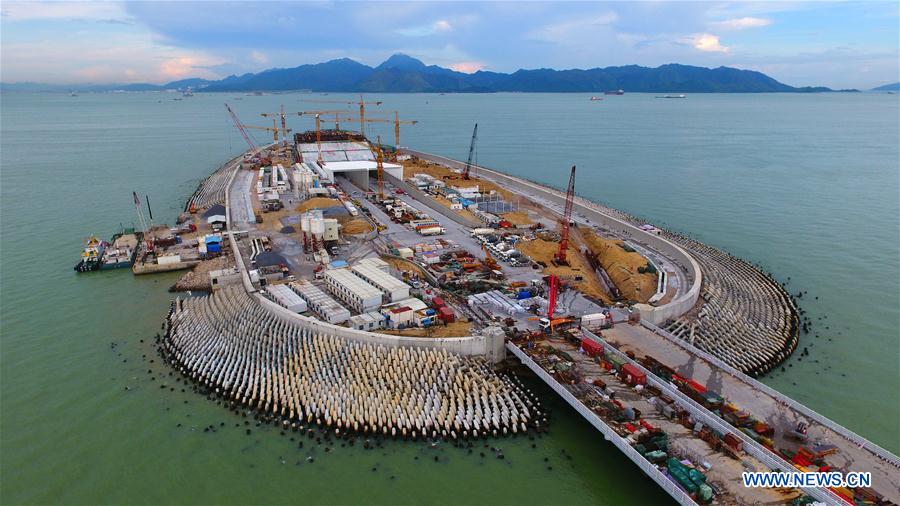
(541, 250)
(317, 203)
(404, 266)
(462, 212)
(455, 329)
(622, 267)
(272, 220)
(353, 226)
(412, 167)
(198, 277)
(518, 218)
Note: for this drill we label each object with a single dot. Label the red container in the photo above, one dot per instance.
(438, 302)
(630, 428)
(633, 375)
(446, 314)
(591, 348)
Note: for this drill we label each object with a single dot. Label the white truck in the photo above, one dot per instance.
(432, 231)
(596, 321)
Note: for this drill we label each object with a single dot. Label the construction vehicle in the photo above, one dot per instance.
(471, 152)
(561, 254)
(362, 109)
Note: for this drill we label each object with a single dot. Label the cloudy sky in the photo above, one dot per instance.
(836, 44)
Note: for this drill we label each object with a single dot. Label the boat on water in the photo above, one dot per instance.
(101, 255)
(73, 94)
(614, 92)
(596, 98)
(672, 96)
(91, 255)
(121, 252)
(188, 93)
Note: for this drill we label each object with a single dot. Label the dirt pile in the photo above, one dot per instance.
(540, 250)
(317, 203)
(622, 267)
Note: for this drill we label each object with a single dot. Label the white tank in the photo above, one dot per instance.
(317, 226)
(304, 223)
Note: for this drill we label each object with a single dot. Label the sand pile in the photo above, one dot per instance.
(622, 267)
(317, 203)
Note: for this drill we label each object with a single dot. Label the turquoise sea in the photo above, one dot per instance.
(805, 185)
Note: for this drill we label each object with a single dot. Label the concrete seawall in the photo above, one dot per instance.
(654, 314)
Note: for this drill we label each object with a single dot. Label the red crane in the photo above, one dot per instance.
(560, 257)
(551, 298)
(240, 127)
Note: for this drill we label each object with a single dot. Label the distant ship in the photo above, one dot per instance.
(91, 255)
(615, 92)
(672, 96)
(188, 93)
(596, 98)
(73, 94)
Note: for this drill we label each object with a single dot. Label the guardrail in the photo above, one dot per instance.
(791, 403)
(608, 433)
(706, 416)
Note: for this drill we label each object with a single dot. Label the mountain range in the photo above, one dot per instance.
(404, 74)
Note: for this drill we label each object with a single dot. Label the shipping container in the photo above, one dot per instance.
(446, 314)
(438, 302)
(633, 375)
(591, 348)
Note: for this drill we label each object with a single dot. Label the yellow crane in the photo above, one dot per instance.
(379, 161)
(274, 129)
(362, 109)
(396, 121)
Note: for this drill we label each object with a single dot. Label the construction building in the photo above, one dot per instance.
(367, 321)
(393, 289)
(320, 303)
(287, 298)
(352, 290)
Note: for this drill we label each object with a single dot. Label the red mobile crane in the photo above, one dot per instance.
(471, 152)
(560, 256)
(240, 127)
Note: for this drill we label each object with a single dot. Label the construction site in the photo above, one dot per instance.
(351, 251)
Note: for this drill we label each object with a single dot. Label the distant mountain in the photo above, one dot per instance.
(888, 87)
(401, 73)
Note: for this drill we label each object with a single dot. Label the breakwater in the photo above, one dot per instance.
(251, 360)
(731, 309)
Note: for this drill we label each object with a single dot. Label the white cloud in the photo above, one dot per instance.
(741, 23)
(259, 57)
(439, 26)
(573, 31)
(707, 42)
(95, 11)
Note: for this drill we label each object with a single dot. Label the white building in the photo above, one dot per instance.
(377, 263)
(287, 298)
(224, 277)
(367, 321)
(352, 159)
(392, 288)
(327, 308)
(352, 290)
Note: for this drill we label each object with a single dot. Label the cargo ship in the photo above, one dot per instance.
(614, 92)
(91, 255)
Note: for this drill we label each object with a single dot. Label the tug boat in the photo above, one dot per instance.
(91, 255)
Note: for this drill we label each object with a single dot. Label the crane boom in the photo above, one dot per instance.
(471, 152)
(240, 127)
(566, 221)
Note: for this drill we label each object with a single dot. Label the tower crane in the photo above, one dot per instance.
(396, 121)
(560, 256)
(283, 115)
(362, 109)
(274, 129)
(471, 152)
(379, 161)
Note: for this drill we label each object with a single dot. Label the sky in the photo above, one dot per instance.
(835, 44)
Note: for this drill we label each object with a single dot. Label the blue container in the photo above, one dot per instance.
(177, 239)
(214, 247)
